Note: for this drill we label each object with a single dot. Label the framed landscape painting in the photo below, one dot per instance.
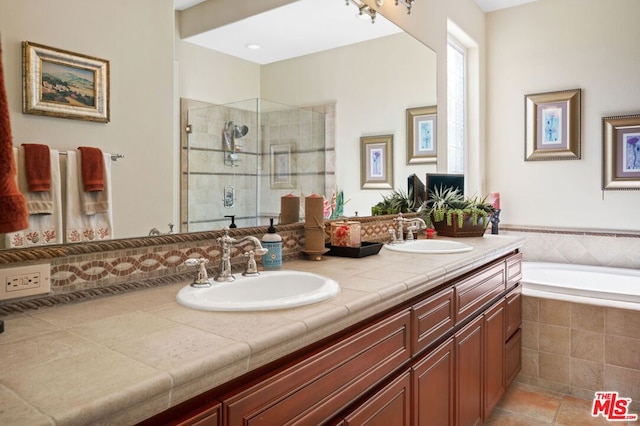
(64, 84)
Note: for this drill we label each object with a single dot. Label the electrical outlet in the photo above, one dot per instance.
(21, 281)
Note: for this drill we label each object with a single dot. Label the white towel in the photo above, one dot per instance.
(79, 225)
(43, 228)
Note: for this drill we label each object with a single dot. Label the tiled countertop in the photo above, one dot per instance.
(120, 359)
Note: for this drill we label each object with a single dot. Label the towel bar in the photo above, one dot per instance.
(114, 157)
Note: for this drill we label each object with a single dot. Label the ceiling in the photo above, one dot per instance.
(302, 29)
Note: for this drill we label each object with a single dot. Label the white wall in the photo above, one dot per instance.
(137, 38)
(209, 76)
(372, 85)
(554, 45)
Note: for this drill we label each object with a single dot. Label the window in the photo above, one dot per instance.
(456, 106)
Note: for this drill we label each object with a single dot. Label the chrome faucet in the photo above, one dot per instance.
(226, 243)
(414, 224)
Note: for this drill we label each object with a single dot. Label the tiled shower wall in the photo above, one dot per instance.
(576, 348)
(206, 169)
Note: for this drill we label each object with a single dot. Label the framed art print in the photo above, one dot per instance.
(421, 135)
(621, 152)
(376, 162)
(552, 125)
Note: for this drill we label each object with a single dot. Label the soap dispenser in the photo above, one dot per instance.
(273, 243)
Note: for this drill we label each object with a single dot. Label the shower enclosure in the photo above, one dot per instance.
(238, 159)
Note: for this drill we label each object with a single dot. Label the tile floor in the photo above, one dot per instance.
(526, 405)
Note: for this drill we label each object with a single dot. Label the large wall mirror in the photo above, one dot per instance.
(369, 85)
(366, 85)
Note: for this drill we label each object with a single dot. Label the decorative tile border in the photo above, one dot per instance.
(579, 246)
(85, 270)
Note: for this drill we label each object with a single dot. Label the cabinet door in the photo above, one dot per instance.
(513, 357)
(390, 406)
(433, 385)
(513, 314)
(469, 372)
(494, 353)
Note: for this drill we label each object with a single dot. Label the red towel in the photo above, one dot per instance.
(13, 207)
(92, 168)
(37, 167)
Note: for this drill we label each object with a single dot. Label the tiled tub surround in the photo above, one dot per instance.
(579, 349)
(576, 348)
(81, 271)
(117, 360)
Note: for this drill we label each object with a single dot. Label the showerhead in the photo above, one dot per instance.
(235, 131)
(240, 131)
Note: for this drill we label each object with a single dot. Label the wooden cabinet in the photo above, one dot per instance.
(469, 373)
(314, 390)
(474, 292)
(433, 387)
(389, 406)
(205, 417)
(443, 359)
(494, 356)
(432, 318)
(513, 334)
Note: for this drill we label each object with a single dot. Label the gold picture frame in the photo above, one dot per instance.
(376, 162)
(621, 152)
(421, 135)
(64, 84)
(552, 125)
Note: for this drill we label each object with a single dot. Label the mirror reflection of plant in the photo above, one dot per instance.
(444, 202)
(396, 202)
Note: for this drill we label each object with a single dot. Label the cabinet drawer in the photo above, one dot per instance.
(432, 318)
(478, 289)
(514, 269)
(390, 406)
(513, 317)
(316, 388)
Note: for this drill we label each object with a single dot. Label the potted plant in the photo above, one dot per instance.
(454, 215)
(397, 202)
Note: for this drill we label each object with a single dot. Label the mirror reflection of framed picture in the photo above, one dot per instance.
(621, 152)
(282, 166)
(421, 135)
(376, 162)
(64, 84)
(552, 123)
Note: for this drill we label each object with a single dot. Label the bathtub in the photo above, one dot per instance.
(594, 285)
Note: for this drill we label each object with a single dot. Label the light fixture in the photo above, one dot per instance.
(253, 46)
(366, 10)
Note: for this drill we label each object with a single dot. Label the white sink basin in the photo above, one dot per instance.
(270, 290)
(430, 247)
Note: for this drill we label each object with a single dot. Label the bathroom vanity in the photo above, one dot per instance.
(442, 358)
(411, 339)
